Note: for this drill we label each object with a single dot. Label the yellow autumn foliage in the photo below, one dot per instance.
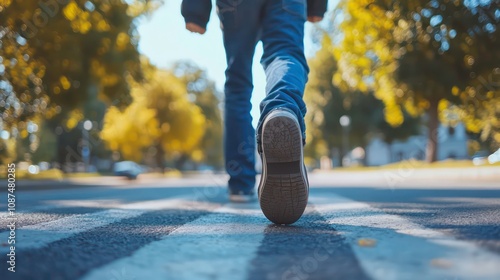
(160, 114)
(46, 46)
(131, 130)
(416, 54)
(367, 29)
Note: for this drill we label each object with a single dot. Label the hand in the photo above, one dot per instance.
(193, 27)
(314, 19)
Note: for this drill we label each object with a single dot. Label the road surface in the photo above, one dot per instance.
(357, 226)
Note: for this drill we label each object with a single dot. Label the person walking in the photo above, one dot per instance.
(280, 135)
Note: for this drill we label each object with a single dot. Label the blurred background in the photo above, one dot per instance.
(120, 87)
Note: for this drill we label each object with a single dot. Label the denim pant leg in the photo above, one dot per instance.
(283, 59)
(240, 23)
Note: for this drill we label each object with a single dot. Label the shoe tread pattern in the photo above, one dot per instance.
(283, 198)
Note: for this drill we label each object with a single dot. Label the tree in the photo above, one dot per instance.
(327, 103)
(55, 54)
(202, 91)
(7, 151)
(416, 54)
(161, 115)
(132, 130)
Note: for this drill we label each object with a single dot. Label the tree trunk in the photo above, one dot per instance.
(432, 136)
(160, 158)
(181, 161)
(61, 155)
(391, 158)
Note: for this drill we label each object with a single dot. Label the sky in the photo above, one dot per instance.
(164, 39)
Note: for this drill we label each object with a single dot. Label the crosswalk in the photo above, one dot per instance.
(221, 245)
(186, 238)
(405, 249)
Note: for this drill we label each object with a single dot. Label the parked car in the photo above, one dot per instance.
(128, 169)
(480, 158)
(495, 157)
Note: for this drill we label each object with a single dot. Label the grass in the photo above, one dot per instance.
(82, 175)
(51, 174)
(419, 164)
(56, 174)
(167, 174)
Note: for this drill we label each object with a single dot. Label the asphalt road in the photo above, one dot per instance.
(357, 226)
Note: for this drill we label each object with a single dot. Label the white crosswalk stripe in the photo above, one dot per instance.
(42, 234)
(405, 250)
(216, 246)
(221, 245)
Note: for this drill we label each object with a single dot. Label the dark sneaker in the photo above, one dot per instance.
(284, 188)
(241, 196)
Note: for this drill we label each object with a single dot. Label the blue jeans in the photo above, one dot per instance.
(279, 24)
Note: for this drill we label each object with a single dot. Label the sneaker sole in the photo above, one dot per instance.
(283, 191)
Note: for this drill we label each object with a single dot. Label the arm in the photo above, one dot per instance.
(196, 14)
(316, 10)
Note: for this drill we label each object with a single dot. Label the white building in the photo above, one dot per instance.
(452, 144)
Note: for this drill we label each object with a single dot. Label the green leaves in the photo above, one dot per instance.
(412, 54)
(327, 102)
(58, 54)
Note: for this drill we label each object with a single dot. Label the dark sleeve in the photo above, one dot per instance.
(196, 11)
(316, 7)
